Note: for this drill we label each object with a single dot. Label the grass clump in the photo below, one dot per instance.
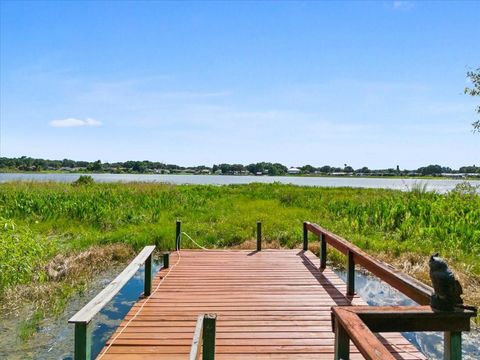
(83, 180)
(21, 254)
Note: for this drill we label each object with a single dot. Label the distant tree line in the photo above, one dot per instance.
(25, 163)
(264, 168)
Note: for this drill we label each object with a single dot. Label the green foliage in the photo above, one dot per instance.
(433, 170)
(469, 169)
(21, 254)
(83, 180)
(474, 76)
(29, 326)
(466, 189)
(95, 166)
(267, 168)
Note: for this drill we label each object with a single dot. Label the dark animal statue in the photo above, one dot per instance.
(447, 288)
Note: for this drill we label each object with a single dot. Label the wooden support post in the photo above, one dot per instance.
(342, 342)
(166, 260)
(209, 328)
(323, 252)
(452, 343)
(147, 286)
(350, 274)
(83, 341)
(259, 236)
(178, 235)
(305, 236)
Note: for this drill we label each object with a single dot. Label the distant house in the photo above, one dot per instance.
(293, 170)
(453, 175)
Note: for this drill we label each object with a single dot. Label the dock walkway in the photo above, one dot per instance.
(273, 304)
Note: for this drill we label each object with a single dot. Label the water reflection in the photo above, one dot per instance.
(111, 315)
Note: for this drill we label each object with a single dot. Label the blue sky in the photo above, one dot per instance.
(364, 83)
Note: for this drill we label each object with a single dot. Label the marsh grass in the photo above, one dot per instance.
(39, 221)
(62, 276)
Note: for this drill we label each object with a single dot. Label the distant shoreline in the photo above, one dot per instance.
(419, 177)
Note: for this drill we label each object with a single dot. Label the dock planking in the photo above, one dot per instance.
(271, 304)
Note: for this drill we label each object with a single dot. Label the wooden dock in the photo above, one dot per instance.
(267, 304)
(271, 304)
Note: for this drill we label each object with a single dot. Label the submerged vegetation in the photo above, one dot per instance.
(43, 222)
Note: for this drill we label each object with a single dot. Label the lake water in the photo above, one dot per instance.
(441, 185)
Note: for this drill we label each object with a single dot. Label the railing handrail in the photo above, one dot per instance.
(204, 338)
(359, 323)
(349, 326)
(414, 289)
(85, 314)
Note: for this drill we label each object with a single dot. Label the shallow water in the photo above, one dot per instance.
(379, 293)
(55, 337)
(441, 185)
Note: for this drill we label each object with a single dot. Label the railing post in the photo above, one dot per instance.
(83, 338)
(323, 252)
(259, 235)
(147, 286)
(178, 235)
(305, 236)
(83, 341)
(452, 343)
(209, 328)
(166, 260)
(342, 342)
(350, 274)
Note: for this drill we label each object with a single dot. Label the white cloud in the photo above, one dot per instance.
(72, 122)
(403, 5)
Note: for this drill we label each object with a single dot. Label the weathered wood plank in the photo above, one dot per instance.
(98, 302)
(413, 318)
(195, 350)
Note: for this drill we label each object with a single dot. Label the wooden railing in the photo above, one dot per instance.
(83, 317)
(407, 285)
(204, 338)
(347, 325)
(358, 323)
